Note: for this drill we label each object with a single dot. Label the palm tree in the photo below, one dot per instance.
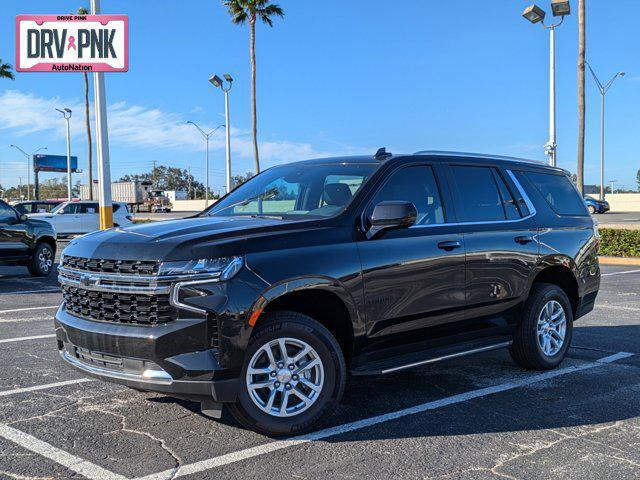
(253, 10)
(581, 101)
(84, 11)
(5, 71)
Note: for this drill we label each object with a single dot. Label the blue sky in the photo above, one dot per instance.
(336, 77)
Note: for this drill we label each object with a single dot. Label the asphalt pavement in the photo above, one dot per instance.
(477, 417)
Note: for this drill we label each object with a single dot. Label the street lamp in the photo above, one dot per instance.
(603, 90)
(66, 113)
(206, 137)
(535, 14)
(219, 83)
(28, 157)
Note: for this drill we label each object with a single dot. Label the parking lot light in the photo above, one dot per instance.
(534, 14)
(219, 83)
(29, 158)
(206, 137)
(560, 8)
(66, 113)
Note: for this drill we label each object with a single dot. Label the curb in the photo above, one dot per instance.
(618, 261)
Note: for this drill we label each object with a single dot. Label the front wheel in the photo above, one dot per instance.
(544, 334)
(591, 209)
(41, 263)
(294, 374)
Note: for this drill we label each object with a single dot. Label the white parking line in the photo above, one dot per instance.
(619, 307)
(619, 273)
(48, 290)
(73, 463)
(35, 388)
(20, 339)
(238, 456)
(27, 309)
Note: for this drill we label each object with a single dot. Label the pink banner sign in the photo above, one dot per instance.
(72, 43)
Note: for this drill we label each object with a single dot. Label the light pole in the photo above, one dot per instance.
(535, 14)
(66, 113)
(219, 83)
(206, 156)
(603, 90)
(28, 157)
(612, 184)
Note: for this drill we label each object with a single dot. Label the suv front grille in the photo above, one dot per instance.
(131, 308)
(99, 265)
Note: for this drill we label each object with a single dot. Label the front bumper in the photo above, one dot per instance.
(171, 358)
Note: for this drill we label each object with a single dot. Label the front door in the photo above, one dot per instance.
(13, 241)
(89, 218)
(413, 277)
(501, 240)
(67, 220)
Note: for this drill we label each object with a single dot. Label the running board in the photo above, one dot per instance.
(418, 359)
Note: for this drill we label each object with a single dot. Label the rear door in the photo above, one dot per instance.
(89, 217)
(501, 242)
(413, 277)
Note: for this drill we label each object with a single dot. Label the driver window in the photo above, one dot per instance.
(415, 184)
(7, 214)
(71, 208)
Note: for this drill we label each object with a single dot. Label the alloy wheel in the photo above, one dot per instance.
(285, 377)
(45, 259)
(552, 328)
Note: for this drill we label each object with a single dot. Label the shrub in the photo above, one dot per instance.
(616, 242)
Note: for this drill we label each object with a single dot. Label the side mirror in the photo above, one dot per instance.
(23, 217)
(392, 214)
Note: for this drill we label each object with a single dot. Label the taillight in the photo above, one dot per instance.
(596, 233)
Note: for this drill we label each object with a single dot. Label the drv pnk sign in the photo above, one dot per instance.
(72, 43)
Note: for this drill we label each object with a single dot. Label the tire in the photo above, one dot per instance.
(591, 209)
(527, 348)
(41, 262)
(330, 375)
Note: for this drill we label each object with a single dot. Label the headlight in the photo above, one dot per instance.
(223, 268)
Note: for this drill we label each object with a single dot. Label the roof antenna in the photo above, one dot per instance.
(382, 154)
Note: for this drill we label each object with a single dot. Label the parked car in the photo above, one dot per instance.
(83, 217)
(368, 265)
(25, 241)
(36, 206)
(596, 206)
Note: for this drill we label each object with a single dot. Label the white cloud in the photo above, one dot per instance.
(137, 126)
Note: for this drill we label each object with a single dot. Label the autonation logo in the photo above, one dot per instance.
(72, 43)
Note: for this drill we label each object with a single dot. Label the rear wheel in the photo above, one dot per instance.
(293, 375)
(544, 333)
(41, 263)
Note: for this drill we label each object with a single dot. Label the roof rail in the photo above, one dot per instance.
(478, 155)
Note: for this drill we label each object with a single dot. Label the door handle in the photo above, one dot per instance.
(449, 245)
(524, 239)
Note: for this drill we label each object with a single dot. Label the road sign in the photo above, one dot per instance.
(72, 43)
(53, 163)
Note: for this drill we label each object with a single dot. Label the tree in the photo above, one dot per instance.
(581, 98)
(168, 178)
(638, 179)
(5, 71)
(84, 11)
(253, 10)
(238, 180)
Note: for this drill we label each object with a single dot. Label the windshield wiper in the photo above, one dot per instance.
(266, 215)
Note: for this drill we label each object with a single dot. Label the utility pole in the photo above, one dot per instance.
(153, 175)
(189, 187)
(29, 166)
(206, 157)
(102, 143)
(66, 113)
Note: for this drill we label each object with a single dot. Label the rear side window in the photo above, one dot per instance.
(479, 194)
(116, 207)
(559, 193)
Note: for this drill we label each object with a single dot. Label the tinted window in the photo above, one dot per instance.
(116, 207)
(88, 208)
(416, 185)
(7, 214)
(478, 194)
(508, 202)
(559, 193)
(24, 208)
(70, 208)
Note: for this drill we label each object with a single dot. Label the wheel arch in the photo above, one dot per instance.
(560, 271)
(47, 239)
(324, 299)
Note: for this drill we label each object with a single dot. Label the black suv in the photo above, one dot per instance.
(25, 241)
(367, 265)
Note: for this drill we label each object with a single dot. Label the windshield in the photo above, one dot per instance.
(296, 191)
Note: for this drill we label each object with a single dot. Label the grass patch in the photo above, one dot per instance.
(616, 242)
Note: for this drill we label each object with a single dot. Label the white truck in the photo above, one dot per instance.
(140, 196)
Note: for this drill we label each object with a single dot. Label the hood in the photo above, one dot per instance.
(182, 239)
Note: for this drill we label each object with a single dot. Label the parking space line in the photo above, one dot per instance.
(619, 273)
(73, 463)
(15, 391)
(27, 309)
(248, 453)
(619, 307)
(20, 339)
(16, 292)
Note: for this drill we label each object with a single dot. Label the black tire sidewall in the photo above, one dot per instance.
(548, 294)
(34, 264)
(294, 325)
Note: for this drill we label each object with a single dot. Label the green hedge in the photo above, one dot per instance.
(616, 242)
